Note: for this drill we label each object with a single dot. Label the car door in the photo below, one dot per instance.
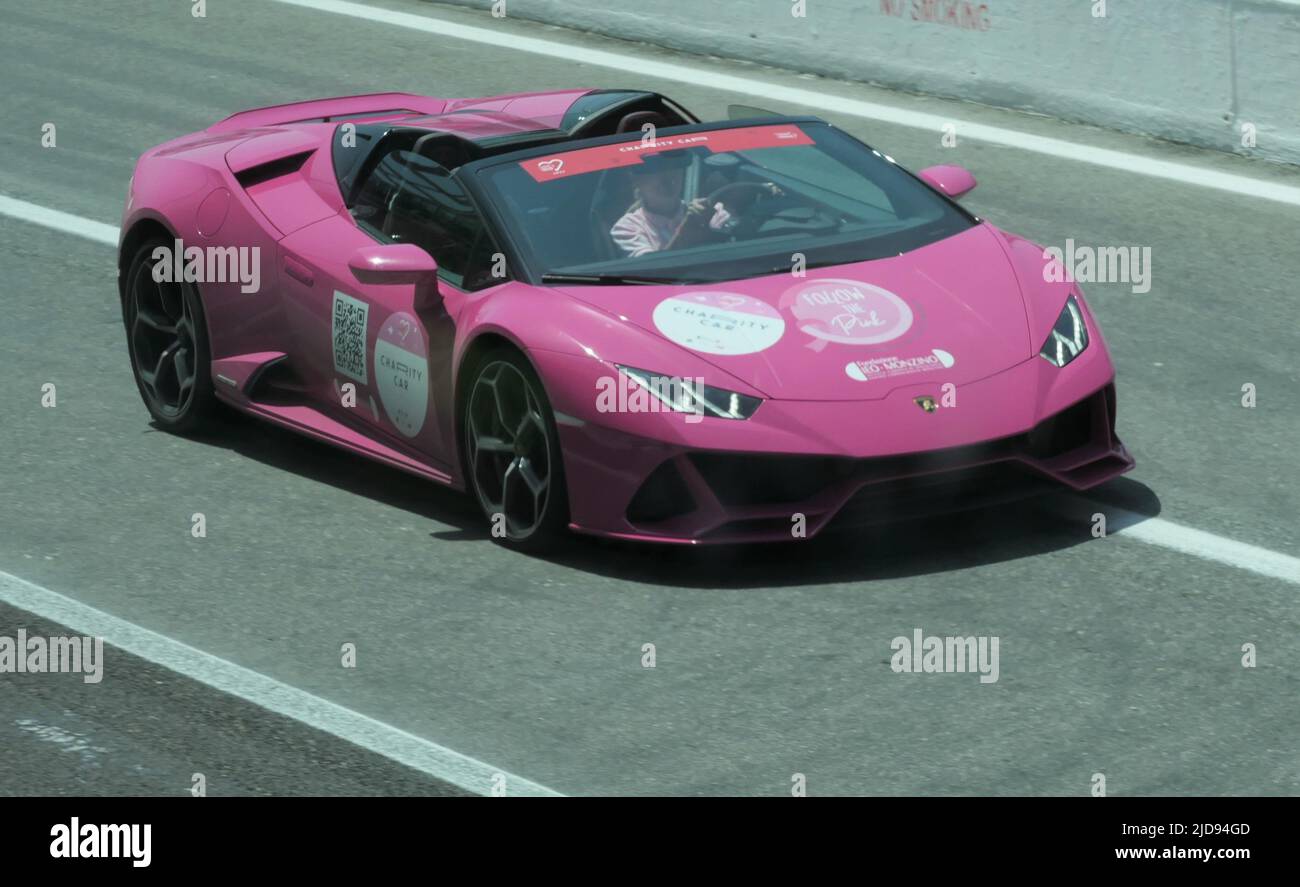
(376, 358)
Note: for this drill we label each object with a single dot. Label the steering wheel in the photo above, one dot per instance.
(728, 190)
(737, 186)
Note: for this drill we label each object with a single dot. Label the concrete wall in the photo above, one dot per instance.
(1190, 70)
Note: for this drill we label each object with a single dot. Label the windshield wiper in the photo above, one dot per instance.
(609, 279)
(808, 266)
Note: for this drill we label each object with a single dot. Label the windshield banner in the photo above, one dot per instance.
(585, 160)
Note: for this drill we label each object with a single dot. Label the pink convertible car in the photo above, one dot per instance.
(593, 312)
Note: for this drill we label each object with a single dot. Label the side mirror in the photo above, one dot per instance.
(398, 263)
(955, 181)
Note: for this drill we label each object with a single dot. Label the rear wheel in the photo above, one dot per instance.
(168, 341)
(512, 453)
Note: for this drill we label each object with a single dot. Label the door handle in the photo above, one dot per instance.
(299, 272)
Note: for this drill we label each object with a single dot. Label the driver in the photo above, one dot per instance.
(658, 218)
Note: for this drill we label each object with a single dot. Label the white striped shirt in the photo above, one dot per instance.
(641, 231)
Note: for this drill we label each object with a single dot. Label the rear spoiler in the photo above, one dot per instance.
(326, 110)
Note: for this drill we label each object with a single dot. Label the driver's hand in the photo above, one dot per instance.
(773, 189)
(697, 208)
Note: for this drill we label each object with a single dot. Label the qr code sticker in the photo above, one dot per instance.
(350, 316)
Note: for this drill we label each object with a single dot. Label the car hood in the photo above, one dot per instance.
(949, 312)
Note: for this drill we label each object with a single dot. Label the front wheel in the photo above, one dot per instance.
(512, 453)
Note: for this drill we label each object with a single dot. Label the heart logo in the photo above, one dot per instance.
(731, 301)
(553, 166)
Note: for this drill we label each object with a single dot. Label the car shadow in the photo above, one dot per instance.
(928, 546)
(918, 547)
(320, 462)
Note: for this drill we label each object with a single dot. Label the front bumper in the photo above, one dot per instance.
(632, 486)
(697, 497)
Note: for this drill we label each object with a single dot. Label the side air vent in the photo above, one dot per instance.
(274, 169)
(276, 383)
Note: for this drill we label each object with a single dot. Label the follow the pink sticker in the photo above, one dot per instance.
(849, 312)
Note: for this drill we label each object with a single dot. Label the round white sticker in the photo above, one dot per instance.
(719, 323)
(402, 372)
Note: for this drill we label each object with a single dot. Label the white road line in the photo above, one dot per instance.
(1187, 540)
(1157, 531)
(383, 739)
(59, 221)
(807, 98)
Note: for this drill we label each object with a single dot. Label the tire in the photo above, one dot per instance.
(513, 464)
(167, 338)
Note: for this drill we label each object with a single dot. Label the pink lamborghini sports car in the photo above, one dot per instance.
(593, 312)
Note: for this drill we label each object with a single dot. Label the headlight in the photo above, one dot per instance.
(1068, 338)
(692, 395)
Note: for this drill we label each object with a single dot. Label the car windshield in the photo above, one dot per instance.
(712, 205)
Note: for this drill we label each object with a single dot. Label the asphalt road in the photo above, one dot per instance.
(1116, 656)
(144, 730)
